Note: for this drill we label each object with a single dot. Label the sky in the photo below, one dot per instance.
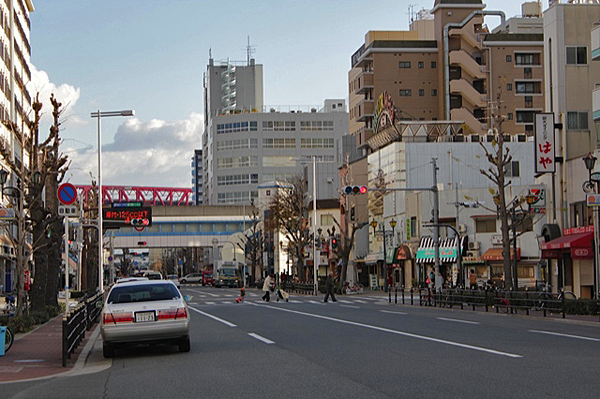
(150, 56)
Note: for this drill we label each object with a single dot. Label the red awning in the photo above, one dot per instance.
(580, 246)
(496, 254)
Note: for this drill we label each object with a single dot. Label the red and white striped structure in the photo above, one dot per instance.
(155, 196)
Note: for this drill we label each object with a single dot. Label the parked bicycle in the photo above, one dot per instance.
(425, 297)
(354, 289)
(552, 302)
(502, 301)
(9, 338)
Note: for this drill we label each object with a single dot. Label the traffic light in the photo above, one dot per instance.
(353, 190)
(139, 222)
(334, 244)
(142, 243)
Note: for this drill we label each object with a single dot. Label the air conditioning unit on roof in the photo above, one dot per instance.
(473, 254)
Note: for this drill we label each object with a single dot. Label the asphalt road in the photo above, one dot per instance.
(359, 347)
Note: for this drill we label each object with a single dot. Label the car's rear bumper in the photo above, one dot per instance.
(143, 332)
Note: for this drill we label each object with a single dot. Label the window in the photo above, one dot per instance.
(433, 64)
(421, 64)
(577, 121)
(527, 59)
(326, 220)
(405, 93)
(433, 92)
(279, 143)
(485, 225)
(414, 227)
(404, 64)
(525, 116)
(512, 169)
(232, 127)
(317, 143)
(577, 55)
(233, 180)
(509, 87)
(528, 87)
(421, 92)
(510, 116)
(316, 126)
(278, 161)
(279, 126)
(509, 58)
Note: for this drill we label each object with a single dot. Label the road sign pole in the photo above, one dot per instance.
(66, 224)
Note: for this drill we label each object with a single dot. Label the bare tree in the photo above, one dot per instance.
(253, 243)
(288, 214)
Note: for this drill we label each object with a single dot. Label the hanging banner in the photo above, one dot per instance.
(544, 143)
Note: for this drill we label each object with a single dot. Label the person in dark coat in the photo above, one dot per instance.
(329, 284)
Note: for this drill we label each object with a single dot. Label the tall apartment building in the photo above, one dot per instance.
(244, 145)
(15, 106)
(197, 178)
(450, 66)
(15, 50)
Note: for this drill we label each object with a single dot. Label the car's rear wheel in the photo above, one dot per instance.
(183, 281)
(184, 344)
(108, 350)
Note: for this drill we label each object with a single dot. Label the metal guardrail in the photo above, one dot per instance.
(514, 302)
(76, 323)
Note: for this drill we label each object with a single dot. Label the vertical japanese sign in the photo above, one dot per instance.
(544, 143)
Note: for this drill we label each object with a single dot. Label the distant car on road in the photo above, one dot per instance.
(148, 311)
(192, 278)
(207, 277)
(153, 275)
(175, 279)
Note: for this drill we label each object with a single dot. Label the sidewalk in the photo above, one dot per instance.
(38, 353)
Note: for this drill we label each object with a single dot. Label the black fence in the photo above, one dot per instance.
(514, 302)
(77, 322)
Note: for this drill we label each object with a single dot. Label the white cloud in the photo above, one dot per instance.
(154, 153)
(67, 94)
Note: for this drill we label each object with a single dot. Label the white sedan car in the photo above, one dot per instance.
(144, 312)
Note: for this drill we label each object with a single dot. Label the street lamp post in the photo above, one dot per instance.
(589, 186)
(374, 225)
(103, 114)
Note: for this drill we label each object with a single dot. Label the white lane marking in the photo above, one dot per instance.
(209, 303)
(213, 317)
(344, 301)
(360, 301)
(205, 293)
(263, 339)
(458, 320)
(565, 335)
(318, 303)
(389, 311)
(227, 302)
(405, 334)
(350, 306)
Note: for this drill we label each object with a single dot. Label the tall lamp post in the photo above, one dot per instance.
(103, 114)
(588, 187)
(374, 225)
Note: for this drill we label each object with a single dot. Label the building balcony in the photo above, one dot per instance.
(468, 92)
(365, 110)
(596, 44)
(473, 125)
(468, 64)
(364, 82)
(596, 103)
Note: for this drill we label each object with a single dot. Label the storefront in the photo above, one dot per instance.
(495, 260)
(7, 265)
(425, 259)
(572, 258)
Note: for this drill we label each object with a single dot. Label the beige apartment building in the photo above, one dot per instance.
(451, 66)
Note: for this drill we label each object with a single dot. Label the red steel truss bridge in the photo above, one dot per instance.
(155, 196)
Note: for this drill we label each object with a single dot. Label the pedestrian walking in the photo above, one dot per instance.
(329, 286)
(242, 295)
(267, 288)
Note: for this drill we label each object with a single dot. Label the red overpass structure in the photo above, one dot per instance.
(155, 196)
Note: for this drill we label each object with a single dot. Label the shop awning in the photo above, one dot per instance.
(448, 254)
(373, 258)
(579, 245)
(496, 254)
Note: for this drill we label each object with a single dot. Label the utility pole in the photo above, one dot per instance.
(436, 221)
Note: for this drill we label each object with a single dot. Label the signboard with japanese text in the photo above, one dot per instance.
(544, 143)
(115, 218)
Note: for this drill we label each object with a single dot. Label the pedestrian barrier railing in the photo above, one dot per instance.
(301, 288)
(77, 322)
(514, 302)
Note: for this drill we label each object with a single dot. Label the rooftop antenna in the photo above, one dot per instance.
(210, 52)
(249, 51)
(411, 13)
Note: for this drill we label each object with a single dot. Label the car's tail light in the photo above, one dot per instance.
(180, 313)
(117, 318)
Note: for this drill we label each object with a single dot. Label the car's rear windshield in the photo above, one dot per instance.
(143, 293)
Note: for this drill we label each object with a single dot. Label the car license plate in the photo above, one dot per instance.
(141, 317)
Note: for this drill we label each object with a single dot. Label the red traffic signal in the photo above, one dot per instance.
(355, 190)
(141, 242)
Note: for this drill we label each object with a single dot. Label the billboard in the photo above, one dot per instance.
(544, 143)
